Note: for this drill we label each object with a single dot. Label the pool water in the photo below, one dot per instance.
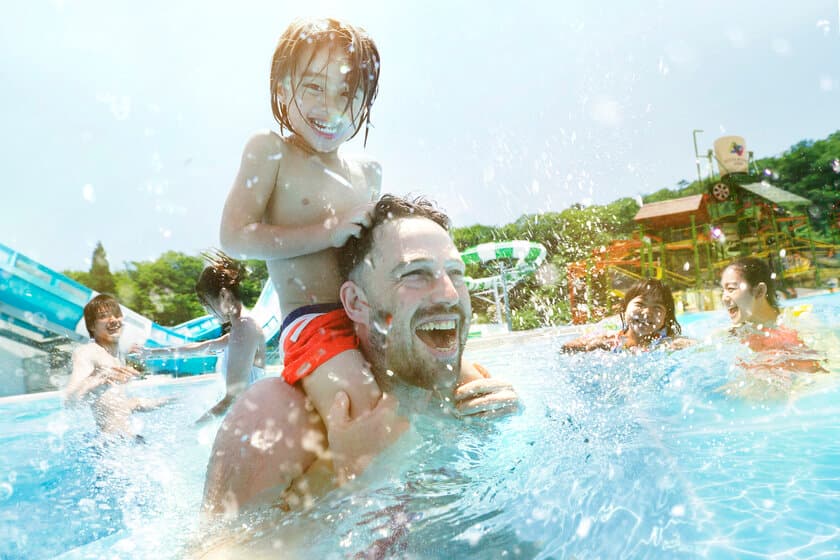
(613, 456)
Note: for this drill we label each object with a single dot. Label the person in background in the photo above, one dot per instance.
(243, 346)
(100, 373)
(648, 320)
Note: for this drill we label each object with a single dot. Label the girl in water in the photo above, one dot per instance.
(647, 321)
(749, 297)
(243, 346)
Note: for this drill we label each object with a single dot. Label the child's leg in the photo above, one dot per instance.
(348, 372)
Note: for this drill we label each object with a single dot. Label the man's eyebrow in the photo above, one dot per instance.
(401, 266)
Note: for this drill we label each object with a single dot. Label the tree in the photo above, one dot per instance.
(100, 277)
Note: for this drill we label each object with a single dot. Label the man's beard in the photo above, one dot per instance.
(394, 353)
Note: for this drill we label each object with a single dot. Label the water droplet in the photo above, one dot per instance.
(584, 527)
(88, 194)
(251, 182)
(382, 323)
(275, 157)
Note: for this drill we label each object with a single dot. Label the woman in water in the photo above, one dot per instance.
(647, 321)
(244, 345)
(749, 296)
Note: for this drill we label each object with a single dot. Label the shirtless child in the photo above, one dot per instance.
(296, 200)
(99, 372)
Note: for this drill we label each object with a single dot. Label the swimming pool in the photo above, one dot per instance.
(614, 456)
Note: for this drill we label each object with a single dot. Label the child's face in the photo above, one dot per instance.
(317, 100)
(738, 297)
(645, 316)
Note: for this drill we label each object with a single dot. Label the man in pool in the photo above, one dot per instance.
(99, 372)
(405, 295)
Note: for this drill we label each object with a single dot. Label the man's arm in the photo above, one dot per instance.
(87, 375)
(243, 232)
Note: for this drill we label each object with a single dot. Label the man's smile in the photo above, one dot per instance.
(439, 334)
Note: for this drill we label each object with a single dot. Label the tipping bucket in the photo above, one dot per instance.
(731, 154)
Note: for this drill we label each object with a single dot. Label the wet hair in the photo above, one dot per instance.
(221, 272)
(658, 292)
(389, 207)
(754, 271)
(103, 303)
(297, 47)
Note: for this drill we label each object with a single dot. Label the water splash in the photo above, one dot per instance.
(88, 194)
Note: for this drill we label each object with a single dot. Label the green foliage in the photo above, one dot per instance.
(79, 276)
(252, 285)
(100, 277)
(810, 169)
(164, 290)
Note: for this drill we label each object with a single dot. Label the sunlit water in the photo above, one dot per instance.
(614, 456)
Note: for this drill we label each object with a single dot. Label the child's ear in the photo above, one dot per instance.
(284, 90)
(355, 302)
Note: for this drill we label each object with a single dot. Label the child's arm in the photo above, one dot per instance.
(242, 346)
(193, 348)
(243, 231)
(478, 393)
(589, 342)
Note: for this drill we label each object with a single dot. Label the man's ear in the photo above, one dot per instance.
(760, 290)
(355, 302)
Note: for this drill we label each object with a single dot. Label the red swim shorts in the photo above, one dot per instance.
(310, 336)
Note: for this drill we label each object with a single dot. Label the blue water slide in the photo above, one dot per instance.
(41, 305)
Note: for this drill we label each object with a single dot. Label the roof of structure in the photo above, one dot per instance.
(774, 194)
(675, 206)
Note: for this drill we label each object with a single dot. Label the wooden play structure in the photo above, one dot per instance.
(686, 242)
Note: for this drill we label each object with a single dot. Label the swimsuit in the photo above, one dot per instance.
(313, 334)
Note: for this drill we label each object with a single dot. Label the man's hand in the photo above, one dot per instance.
(355, 442)
(486, 396)
(114, 375)
(350, 224)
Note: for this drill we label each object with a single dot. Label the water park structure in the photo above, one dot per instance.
(688, 241)
(511, 262)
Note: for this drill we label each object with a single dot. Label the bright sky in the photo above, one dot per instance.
(125, 121)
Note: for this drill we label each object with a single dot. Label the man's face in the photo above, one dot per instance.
(418, 303)
(107, 328)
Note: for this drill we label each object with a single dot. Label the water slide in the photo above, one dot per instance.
(44, 309)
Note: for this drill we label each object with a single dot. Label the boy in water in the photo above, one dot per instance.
(296, 200)
(99, 372)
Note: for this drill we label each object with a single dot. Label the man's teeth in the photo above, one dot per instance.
(437, 326)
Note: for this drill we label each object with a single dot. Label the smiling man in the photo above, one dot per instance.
(99, 372)
(405, 294)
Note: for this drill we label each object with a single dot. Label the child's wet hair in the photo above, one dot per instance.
(221, 272)
(754, 271)
(658, 292)
(354, 42)
(103, 303)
